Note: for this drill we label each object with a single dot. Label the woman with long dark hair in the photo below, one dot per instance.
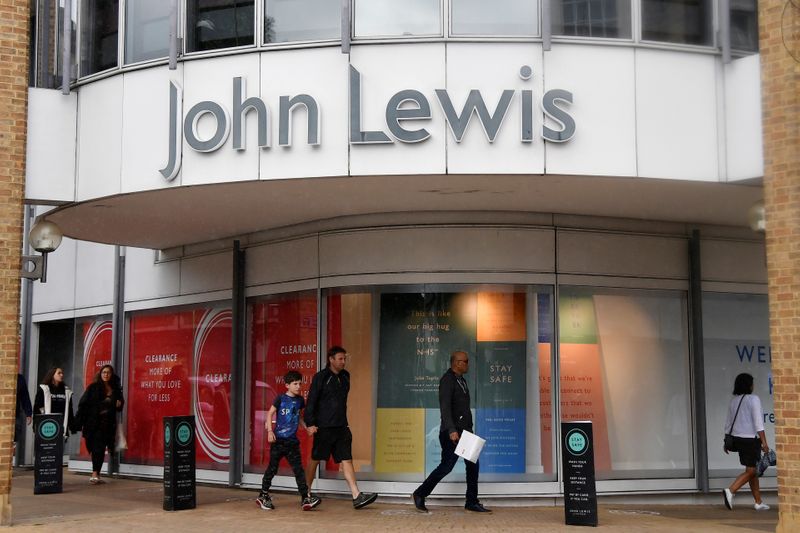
(97, 412)
(53, 396)
(745, 422)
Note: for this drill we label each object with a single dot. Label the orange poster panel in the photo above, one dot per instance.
(581, 398)
(501, 317)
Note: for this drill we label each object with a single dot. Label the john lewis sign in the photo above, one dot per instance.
(405, 113)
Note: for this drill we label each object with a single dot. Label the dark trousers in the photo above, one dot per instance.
(291, 450)
(449, 460)
(97, 444)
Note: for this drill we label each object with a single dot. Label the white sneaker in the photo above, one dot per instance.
(727, 496)
(761, 507)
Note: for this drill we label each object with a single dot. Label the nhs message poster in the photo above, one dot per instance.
(284, 338)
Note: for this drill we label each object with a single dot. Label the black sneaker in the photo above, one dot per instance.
(476, 508)
(309, 502)
(265, 502)
(363, 499)
(419, 502)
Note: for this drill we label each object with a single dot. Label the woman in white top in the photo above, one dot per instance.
(746, 423)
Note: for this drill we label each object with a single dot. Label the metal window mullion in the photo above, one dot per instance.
(724, 33)
(547, 34)
(66, 52)
(347, 23)
(121, 8)
(173, 35)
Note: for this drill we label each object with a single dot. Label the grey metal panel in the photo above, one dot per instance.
(282, 261)
(206, 273)
(622, 255)
(437, 249)
(734, 261)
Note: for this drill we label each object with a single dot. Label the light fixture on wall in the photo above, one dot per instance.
(757, 218)
(45, 237)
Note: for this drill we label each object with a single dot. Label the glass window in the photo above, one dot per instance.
(301, 20)
(624, 365)
(99, 32)
(146, 30)
(744, 25)
(735, 340)
(215, 24)
(399, 341)
(394, 18)
(283, 337)
(179, 364)
(500, 17)
(592, 18)
(677, 21)
(56, 345)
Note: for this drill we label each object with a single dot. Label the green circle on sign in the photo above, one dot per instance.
(167, 434)
(577, 442)
(48, 430)
(183, 433)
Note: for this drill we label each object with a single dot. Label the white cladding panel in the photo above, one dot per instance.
(385, 70)
(493, 68)
(604, 107)
(58, 294)
(145, 135)
(145, 279)
(212, 80)
(321, 73)
(733, 261)
(676, 115)
(206, 273)
(622, 255)
(282, 261)
(745, 149)
(100, 138)
(437, 249)
(50, 159)
(94, 274)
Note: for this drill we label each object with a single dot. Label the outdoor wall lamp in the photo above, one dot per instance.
(757, 217)
(45, 237)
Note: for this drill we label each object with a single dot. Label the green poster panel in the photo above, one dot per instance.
(500, 374)
(418, 332)
(576, 319)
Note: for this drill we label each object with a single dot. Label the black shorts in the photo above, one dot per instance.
(333, 441)
(749, 450)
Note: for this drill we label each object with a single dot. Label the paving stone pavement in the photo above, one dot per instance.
(126, 505)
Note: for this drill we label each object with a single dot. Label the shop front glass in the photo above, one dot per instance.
(624, 365)
(179, 364)
(399, 341)
(735, 340)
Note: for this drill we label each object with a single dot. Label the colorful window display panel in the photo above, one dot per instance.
(93, 346)
(735, 340)
(624, 365)
(179, 364)
(417, 332)
(283, 337)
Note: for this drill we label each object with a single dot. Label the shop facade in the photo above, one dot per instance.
(569, 208)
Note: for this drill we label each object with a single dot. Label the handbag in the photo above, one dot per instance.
(728, 442)
(121, 443)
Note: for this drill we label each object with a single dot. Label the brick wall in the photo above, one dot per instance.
(779, 25)
(13, 110)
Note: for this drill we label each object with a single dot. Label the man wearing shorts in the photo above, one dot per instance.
(326, 418)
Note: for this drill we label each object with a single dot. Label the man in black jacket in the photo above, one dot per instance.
(456, 417)
(326, 418)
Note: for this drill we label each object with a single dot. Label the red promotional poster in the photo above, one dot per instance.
(284, 338)
(211, 382)
(97, 339)
(158, 381)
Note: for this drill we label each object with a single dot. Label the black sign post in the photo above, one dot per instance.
(179, 463)
(577, 453)
(49, 453)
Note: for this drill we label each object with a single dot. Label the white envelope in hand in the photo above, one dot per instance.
(469, 446)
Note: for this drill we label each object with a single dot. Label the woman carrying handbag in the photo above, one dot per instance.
(97, 412)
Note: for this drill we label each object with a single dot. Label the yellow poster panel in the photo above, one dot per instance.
(400, 440)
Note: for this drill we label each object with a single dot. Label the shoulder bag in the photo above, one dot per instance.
(729, 446)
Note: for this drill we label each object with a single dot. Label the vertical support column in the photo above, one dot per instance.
(117, 329)
(698, 361)
(781, 120)
(547, 32)
(238, 386)
(66, 48)
(14, 29)
(26, 304)
(347, 20)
